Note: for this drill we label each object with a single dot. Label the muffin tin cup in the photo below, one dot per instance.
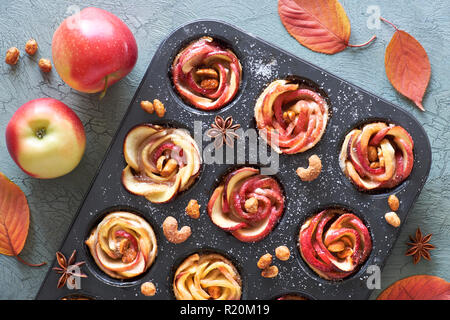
(262, 63)
(96, 270)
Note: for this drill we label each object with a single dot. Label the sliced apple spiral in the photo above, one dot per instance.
(377, 156)
(334, 243)
(207, 277)
(291, 117)
(123, 245)
(247, 204)
(206, 74)
(160, 162)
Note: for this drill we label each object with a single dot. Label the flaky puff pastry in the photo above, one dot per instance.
(207, 277)
(123, 245)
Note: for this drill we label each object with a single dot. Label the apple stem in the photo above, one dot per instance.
(30, 264)
(102, 95)
(40, 133)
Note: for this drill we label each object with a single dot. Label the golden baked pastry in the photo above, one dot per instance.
(334, 243)
(377, 156)
(247, 204)
(123, 245)
(207, 276)
(161, 162)
(206, 74)
(290, 117)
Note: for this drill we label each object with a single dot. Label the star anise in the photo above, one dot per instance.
(68, 268)
(223, 131)
(420, 246)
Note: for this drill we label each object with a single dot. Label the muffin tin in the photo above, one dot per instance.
(262, 63)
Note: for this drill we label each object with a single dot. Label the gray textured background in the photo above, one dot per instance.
(53, 203)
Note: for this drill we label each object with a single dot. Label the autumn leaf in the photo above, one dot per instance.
(407, 66)
(14, 219)
(320, 25)
(420, 287)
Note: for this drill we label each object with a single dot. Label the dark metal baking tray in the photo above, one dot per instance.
(262, 63)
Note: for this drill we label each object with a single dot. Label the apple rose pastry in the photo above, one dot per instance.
(247, 204)
(290, 117)
(377, 156)
(160, 162)
(207, 277)
(123, 245)
(206, 74)
(334, 243)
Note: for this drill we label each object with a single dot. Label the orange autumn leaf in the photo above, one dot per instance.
(420, 287)
(14, 219)
(407, 66)
(320, 25)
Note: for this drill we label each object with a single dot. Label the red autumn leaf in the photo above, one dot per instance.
(407, 66)
(14, 219)
(420, 287)
(320, 25)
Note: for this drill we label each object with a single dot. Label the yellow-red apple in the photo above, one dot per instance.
(93, 49)
(45, 138)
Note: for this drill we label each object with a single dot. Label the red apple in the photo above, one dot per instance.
(93, 49)
(45, 138)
